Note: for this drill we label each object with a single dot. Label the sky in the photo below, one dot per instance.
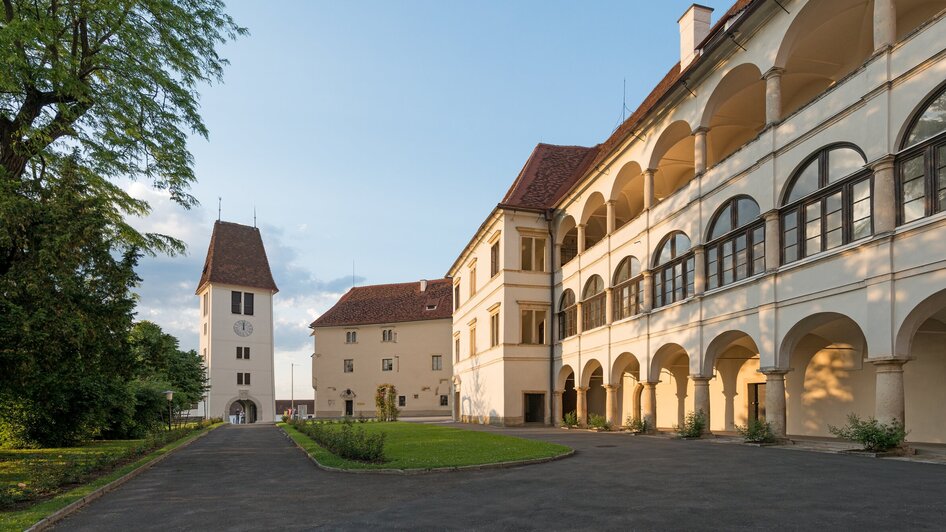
(376, 136)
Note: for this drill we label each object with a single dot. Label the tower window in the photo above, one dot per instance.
(241, 303)
(243, 353)
(243, 379)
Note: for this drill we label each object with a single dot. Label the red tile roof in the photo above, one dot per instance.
(236, 256)
(390, 303)
(549, 173)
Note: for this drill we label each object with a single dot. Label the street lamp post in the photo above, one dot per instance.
(169, 395)
(292, 392)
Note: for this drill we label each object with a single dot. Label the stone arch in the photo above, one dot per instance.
(626, 376)
(249, 404)
(563, 374)
(566, 383)
(627, 193)
(732, 359)
(811, 325)
(920, 339)
(672, 159)
(594, 216)
(567, 238)
(735, 113)
(592, 378)
(930, 308)
(934, 101)
(670, 369)
(588, 369)
(811, 60)
(721, 343)
(623, 363)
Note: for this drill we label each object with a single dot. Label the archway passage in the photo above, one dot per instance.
(671, 367)
(923, 338)
(626, 375)
(735, 113)
(569, 395)
(596, 396)
(243, 411)
(737, 389)
(830, 375)
(628, 194)
(672, 159)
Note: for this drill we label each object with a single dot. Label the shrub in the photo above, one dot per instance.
(385, 401)
(871, 434)
(693, 425)
(596, 421)
(570, 419)
(756, 431)
(637, 425)
(345, 440)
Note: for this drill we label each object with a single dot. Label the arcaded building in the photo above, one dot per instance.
(384, 334)
(763, 237)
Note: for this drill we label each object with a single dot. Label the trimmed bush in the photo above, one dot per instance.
(345, 440)
(693, 425)
(570, 419)
(756, 431)
(637, 425)
(871, 434)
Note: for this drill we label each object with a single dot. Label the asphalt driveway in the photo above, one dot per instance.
(251, 477)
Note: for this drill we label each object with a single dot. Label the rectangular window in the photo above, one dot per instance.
(533, 254)
(246, 379)
(812, 229)
(912, 188)
(533, 326)
(243, 379)
(239, 379)
(206, 301)
(436, 362)
(349, 365)
(758, 250)
(239, 353)
(833, 223)
(472, 281)
(861, 210)
(790, 236)
(443, 400)
(236, 302)
(456, 348)
(351, 337)
(456, 296)
(387, 364)
(494, 260)
(494, 329)
(248, 303)
(712, 269)
(388, 335)
(472, 340)
(402, 400)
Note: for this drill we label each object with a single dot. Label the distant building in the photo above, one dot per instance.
(236, 292)
(385, 334)
(305, 407)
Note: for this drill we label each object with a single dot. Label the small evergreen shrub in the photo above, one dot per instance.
(756, 431)
(345, 440)
(871, 434)
(596, 421)
(693, 425)
(637, 425)
(570, 419)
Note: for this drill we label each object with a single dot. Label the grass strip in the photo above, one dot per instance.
(413, 446)
(23, 519)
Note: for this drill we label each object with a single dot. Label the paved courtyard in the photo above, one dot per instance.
(252, 478)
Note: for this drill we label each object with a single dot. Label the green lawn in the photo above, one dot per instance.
(418, 446)
(27, 466)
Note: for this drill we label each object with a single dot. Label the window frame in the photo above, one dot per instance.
(594, 306)
(686, 260)
(538, 329)
(634, 284)
(567, 315)
(494, 260)
(348, 365)
(717, 245)
(494, 328)
(534, 256)
(436, 362)
(928, 150)
(387, 364)
(236, 302)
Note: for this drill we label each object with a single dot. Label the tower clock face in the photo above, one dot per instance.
(243, 328)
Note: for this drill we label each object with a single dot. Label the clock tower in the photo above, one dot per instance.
(236, 292)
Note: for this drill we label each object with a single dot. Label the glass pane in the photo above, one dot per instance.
(747, 211)
(539, 254)
(805, 183)
(843, 162)
(914, 210)
(931, 122)
(622, 273)
(813, 228)
(723, 223)
(742, 258)
(525, 321)
(711, 274)
(791, 253)
(940, 178)
(683, 245)
(833, 239)
(690, 265)
(527, 254)
(861, 228)
(913, 189)
(635, 267)
(666, 253)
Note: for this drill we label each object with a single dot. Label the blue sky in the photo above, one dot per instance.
(384, 132)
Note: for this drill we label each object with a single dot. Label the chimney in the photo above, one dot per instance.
(694, 27)
(423, 285)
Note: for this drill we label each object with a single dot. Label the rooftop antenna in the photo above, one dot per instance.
(254, 216)
(219, 207)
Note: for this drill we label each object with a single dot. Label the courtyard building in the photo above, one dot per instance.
(763, 238)
(236, 292)
(396, 334)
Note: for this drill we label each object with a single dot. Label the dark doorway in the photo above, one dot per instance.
(349, 407)
(757, 401)
(535, 407)
(569, 396)
(456, 406)
(242, 411)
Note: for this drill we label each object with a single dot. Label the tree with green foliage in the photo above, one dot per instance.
(89, 92)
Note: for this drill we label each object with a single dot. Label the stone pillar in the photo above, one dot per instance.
(773, 95)
(699, 150)
(648, 188)
(647, 285)
(775, 400)
(579, 325)
(889, 391)
(581, 406)
(701, 399)
(611, 220)
(649, 404)
(772, 241)
(885, 24)
(611, 404)
(557, 408)
(885, 199)
(581, 238)
(556, 257)
(699, 271)
(609, 306)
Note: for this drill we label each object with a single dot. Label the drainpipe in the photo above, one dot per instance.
(549, 218)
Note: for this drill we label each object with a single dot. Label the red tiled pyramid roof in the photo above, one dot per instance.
(390, 303)
(550, 171)
(236, 256)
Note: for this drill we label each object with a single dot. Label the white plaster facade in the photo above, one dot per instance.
(857, 327)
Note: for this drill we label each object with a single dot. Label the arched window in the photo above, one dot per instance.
(737, 243)
(626, 290)
(593, 301)
(567, 315)
(827, 203)
(922, 165)
(673, 270)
